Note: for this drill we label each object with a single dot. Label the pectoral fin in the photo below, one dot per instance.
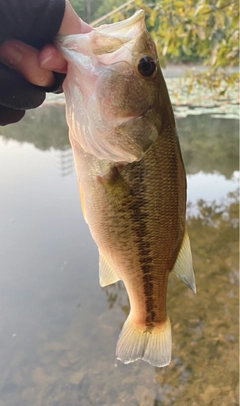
(107, 275)
(183, 266)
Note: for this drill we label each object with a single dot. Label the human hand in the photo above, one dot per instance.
(37, 66)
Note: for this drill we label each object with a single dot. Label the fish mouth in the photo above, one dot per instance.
(106, 39)
(137, 19)
(112, 37)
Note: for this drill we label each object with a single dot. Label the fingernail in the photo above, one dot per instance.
(53, 62)
(10, 54)
(45, 61)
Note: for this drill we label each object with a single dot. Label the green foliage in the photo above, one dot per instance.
(79, 6)
(206, 28)
(203, 31)
(106, 7)
(86, 9)
(196, 30)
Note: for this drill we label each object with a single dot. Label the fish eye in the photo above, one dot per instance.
(147, 66)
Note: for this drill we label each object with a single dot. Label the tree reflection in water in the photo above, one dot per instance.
(208, 144)
(205, 332)
(203, 370)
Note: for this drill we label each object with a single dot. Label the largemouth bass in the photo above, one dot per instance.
(131, 175)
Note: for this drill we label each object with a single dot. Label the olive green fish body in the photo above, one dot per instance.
(137, 218)
(131, 177)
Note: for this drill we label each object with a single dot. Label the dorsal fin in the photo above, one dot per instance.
(183, 266)
(107, 275)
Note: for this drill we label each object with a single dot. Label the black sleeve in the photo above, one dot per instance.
(35, 22)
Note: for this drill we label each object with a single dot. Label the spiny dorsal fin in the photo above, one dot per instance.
(107, 275)
(183, 266)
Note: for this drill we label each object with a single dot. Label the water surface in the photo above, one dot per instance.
(58, 328)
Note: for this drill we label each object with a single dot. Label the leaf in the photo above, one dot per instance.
(227, 21)
(203, 9)
(179, 4)
(201, 32)
(193, 31)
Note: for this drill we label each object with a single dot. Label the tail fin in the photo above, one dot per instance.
(153, 346)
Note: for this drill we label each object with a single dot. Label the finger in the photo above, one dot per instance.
(25, 59)
(51, 59)
(10, 116)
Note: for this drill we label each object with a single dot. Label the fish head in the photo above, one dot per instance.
(113, 89)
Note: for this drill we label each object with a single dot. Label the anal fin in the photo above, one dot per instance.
(183, 267)
(107, 275)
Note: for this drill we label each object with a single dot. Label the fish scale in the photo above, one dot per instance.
(131, 176)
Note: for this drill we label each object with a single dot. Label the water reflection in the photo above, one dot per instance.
(45, 128)
(209, 187)
(208, 144)
(210, 230)
(58, 328)
(65, 162)
(205, 327)
(209, 147)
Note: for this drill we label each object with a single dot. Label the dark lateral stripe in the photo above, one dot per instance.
(139, 221)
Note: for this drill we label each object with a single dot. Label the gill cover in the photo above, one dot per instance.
(107, 99)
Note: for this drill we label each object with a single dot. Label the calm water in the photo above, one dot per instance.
(58, 328)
